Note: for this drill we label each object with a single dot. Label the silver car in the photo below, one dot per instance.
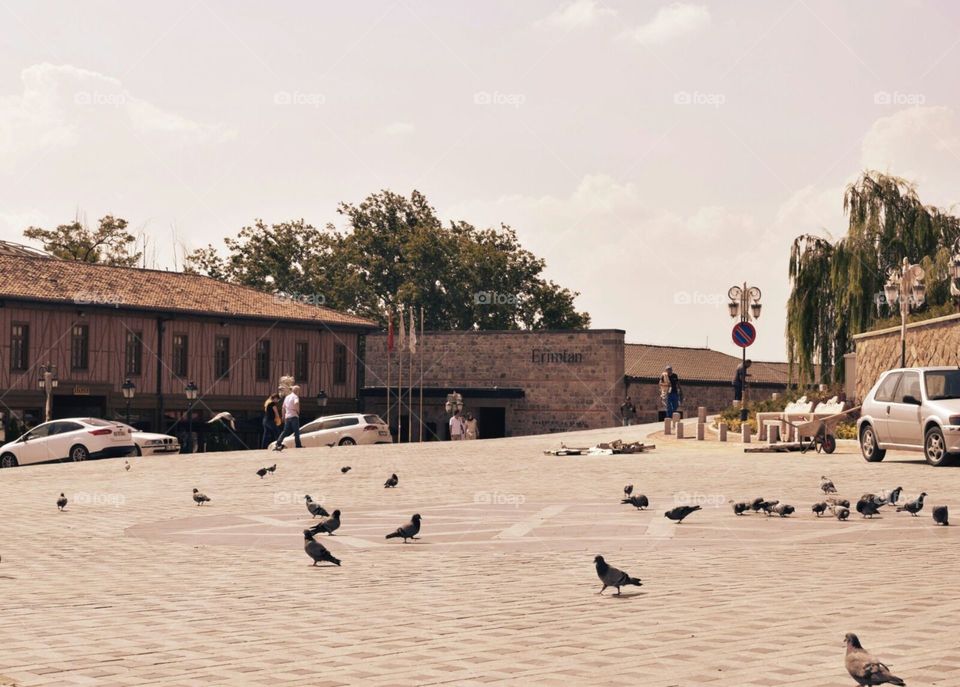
(912, 409)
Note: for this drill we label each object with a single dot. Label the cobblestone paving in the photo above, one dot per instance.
(135, 585)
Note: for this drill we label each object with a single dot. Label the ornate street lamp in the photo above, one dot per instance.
(454, 402)
(191, 392)
(48, 382)
(745, 303)
(907, 288)
(129, 389)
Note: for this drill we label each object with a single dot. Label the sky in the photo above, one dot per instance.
(653, 153)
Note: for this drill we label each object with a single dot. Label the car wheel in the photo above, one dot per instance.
(78, 453)
(868, 445)
(935, 448)
(137, 451)
(347, 441)
(8, 460)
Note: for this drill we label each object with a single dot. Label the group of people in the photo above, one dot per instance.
(281, 418)
(463, 427)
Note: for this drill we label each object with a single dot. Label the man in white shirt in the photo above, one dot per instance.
(291, 419)
(457, 426)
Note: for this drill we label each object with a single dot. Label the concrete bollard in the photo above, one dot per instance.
(701, 414)
(745, 433)
(679, 430)
(667, 426)
(676, 417)
(701, 430)
(773, 434)
(723, 431)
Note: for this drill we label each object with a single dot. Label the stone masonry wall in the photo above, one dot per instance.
(645, 395)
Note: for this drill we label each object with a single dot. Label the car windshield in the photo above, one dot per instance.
(942, 384)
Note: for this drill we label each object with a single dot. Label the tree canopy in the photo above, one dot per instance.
(396, 251)
(837, 287)
(110, 243)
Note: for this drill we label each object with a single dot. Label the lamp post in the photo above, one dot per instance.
(191, 391)
(129, 389)
(48, 382)
(908, 289)
(745, 304)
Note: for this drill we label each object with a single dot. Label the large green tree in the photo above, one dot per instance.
(837, 287)
(395, 250)
(109, 243)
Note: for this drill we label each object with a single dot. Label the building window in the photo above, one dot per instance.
(180, 345)
(300, 361)
(19, 347)
(134, 354)
(339, 364)
(221, 357)
(263, 359)
(80, 347)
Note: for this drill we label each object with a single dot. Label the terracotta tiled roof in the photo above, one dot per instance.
(697, 364)
(65, 281)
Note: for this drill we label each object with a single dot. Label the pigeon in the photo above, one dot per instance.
(842, 513)
(756, 504)
(739, 508)
(224, 417)
(126, 465)
(819, 508)
(392, 481)
(864, 668)
(612, 577)
(680, 512)
(767, 506)
(328, 525)
(913, 507)
(408, 531)
(317, 551)
(783, 510)
(61, 502)
(827, 486)
(639, 501)
(834, 503)
(315, 508)
(891, 497)
(262, 472)
(868, 505)
(345, 469)
(272, 469)
(627, 490)
(940, 515)
(200, 498)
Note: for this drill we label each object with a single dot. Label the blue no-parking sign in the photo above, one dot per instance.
(744, 334)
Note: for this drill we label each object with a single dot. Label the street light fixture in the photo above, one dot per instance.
(48, 382)
(454, 402)
(129, 389)
(322, 399)
(191, 392)
(907, 288)
(745, 303)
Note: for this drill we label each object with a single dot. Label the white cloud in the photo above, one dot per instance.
(578, 14)
(672, 21)
(398, 129)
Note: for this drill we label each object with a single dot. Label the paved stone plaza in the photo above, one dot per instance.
(135, 585)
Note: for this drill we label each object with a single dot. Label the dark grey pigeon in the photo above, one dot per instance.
(827, 486)
(941, 515)
(819, 508)
(328, 525)
(262, 472)
(680, 512)
(345, 469)
(768, 506)
(61, 502)
(842, 512)
(913, 507)
(408, 531)
(864, 668)
(627, 490)
(317, 551)
(638, 501)
(756, 504)
(868, 505)
(315, 508)
(200, 498)
(891, 497)
(612, 577)
(272, 469)
(391, 482)
(739, 508)
(783, 510)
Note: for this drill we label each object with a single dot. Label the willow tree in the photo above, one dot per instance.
(837, 287)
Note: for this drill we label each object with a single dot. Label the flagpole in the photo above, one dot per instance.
(389, 355)
(421, 374)
(413, 338)
(400, 380)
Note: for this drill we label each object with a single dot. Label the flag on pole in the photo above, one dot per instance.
(389, 332)
(403, 334)
(413, 332)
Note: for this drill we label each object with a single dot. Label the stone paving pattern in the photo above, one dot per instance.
(97, 596)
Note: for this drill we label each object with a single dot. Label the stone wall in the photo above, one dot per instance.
(714, 396)
(571, 379)
(929, 343)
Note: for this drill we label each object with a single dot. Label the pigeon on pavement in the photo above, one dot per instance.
(739, 508)
(913, 507)
(891, 497)
(941, 515)
(638, 501)
(408, 531)
(612, 577)
(842, 512)
(868, 505)
(834, 503)
(819, 508)
(61, 502)
(272, 469)
(865, 668)
(345, 469)
(680, 512)
(262, 472)
(317, 551)
(328, 525)
(756, 504)
(783, 510)
(315, 508)
(768, 506)
(392, 481)
(200, 498)
(827, 486)
(627, 490)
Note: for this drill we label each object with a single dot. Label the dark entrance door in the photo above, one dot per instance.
(79, 406)
(492, 422)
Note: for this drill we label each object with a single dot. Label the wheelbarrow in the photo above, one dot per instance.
(820, 431)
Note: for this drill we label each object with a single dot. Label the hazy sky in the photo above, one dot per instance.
(654, 153)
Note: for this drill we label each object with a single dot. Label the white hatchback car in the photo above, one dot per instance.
(150, 444)
(76, 438)
(342, 430)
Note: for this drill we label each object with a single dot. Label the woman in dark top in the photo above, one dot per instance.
(271, 419)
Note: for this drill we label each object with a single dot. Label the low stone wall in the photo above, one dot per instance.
(929, 343)
(714, 396)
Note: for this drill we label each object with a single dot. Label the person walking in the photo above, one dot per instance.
(472, 427)
(670, 390)
(628, 413)
(457, 426)
(291, 419)
(271, 419)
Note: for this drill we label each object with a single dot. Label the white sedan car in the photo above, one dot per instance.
(342, 430)
(76, 438)
(150, 444)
